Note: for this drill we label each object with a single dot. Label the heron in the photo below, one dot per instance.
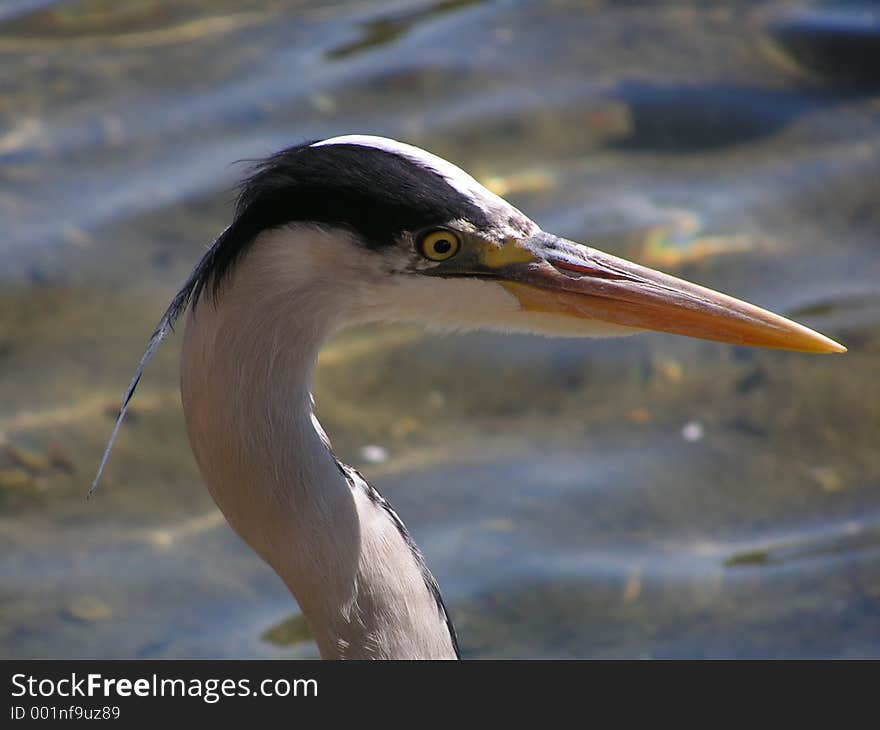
(355, 229)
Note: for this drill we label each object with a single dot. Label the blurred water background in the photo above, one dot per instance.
(646, 497)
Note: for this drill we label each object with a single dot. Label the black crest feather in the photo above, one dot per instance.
(371, 192)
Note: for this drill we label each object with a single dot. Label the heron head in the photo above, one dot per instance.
(400, 234)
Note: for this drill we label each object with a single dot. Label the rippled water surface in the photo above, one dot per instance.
(646, 497)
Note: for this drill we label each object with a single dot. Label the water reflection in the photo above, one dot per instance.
(642, 497)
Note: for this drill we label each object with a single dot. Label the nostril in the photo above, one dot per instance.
(579, 270)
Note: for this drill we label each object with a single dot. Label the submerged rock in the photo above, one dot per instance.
(837, 43)
(689, 118)
(87, 609)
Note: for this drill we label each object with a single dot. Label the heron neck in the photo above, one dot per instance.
(342, 552)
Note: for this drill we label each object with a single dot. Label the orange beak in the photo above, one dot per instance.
(550, 274)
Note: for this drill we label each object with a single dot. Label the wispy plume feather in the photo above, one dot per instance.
(190, 292)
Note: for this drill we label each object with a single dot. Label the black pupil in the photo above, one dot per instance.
(442, 246)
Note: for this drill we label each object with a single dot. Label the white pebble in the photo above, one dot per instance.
(692, 431)
(374, 454)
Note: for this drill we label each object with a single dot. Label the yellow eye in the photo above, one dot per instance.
(439, 245)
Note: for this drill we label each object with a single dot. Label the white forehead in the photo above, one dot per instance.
(455, 176)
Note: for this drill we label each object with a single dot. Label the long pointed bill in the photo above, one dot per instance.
(550, 274)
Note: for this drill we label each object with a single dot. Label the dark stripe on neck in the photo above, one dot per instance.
(430, 582)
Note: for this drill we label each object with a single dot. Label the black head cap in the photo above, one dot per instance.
(375, 193)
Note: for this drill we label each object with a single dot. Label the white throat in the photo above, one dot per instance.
(245, 382)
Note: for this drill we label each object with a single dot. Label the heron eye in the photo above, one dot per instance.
(439, 245)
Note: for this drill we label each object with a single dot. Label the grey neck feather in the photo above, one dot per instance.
(340, 549)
